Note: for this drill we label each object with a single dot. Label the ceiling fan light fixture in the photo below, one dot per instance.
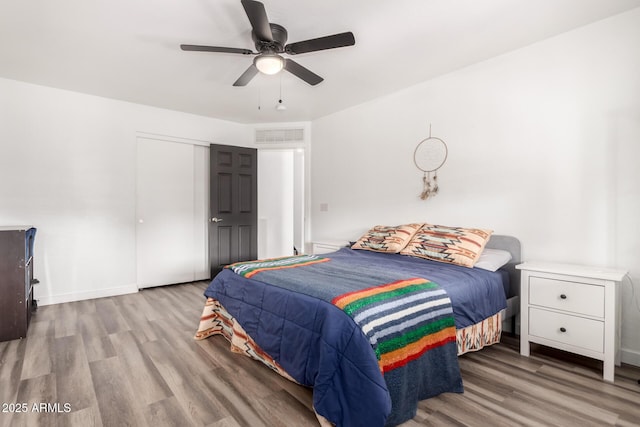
(269, 63)
(280, 106)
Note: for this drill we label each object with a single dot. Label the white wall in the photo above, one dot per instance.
(67, 166)
(543, 144)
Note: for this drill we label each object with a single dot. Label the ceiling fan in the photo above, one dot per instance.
(270, 42)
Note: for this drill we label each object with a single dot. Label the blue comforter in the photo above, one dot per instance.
(321, 346)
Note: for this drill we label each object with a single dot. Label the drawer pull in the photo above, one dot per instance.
(563, 329)
(563, 296)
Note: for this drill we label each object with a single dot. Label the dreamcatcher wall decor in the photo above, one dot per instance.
(429, 156)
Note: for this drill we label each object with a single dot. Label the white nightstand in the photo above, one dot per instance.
(574, 308)
(326, 246)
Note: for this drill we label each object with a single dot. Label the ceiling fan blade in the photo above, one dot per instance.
(321, 43)
(258, 18)
(302, 72)
(196, 48)
(246, 77)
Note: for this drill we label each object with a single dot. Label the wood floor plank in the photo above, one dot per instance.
(485, 387)
(529, 408)
(97, 345)
(12, 354)
(44, 387)
(174, 306)
(84, 306)
(145, 329)
(110, 316)
(87, 417)
(146, 306)
(466, 410)
(164, 305)
(118, 404)
(12, 351)
(182, 342)
(199, 402)
(281, 409)
(37, 359)
(226, 422)
(435, 419)
(249, 372)
(74, 384)
(66, 321)
(146, 382)
(238, 401)
(165, 413)
(215, 350)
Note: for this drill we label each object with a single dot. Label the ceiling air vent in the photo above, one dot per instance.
(279, 136)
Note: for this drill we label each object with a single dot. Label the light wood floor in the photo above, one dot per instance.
(132, 360)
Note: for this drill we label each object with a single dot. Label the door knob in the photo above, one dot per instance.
(214, 219)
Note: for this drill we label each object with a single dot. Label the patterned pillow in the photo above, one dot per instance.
(455, 245)
(383, 238)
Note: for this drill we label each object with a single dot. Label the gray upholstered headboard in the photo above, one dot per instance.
(512, 245)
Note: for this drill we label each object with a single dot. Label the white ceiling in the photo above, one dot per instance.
(129, 49)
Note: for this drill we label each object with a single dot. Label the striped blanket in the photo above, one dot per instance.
(251, 268)
(402, 320)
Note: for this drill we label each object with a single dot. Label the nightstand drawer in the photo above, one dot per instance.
(580, 298)
(567, 329)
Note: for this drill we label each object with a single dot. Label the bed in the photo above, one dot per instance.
(316, 321)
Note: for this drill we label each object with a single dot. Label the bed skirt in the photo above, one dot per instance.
(482, 334)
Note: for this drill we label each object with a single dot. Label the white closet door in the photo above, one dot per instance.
(201, 212)
(165, 208)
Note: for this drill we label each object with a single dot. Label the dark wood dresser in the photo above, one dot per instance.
(16, 280)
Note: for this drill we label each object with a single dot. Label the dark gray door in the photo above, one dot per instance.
(233, 219)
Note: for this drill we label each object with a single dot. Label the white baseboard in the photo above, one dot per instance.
(630, 357)
(79, 296)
